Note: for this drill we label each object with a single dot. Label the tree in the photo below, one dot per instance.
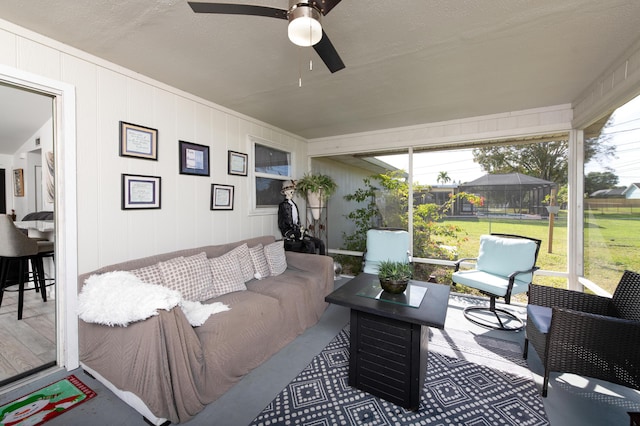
(546, 160)
(443, 177)
(595, 181)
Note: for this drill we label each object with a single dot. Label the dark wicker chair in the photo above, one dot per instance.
(585, 334)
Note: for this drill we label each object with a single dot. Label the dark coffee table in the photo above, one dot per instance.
(388, 340)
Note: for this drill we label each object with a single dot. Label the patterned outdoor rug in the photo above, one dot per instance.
(456, 392)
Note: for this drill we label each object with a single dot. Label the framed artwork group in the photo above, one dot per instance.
(141, 192)
(138, 141)
(194, 159)
(222, 197)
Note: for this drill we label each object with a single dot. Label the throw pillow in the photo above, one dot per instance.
(149, 274)
(259, 262)
(242, 252)
(276, 258)
(191, 276)
(227, 276)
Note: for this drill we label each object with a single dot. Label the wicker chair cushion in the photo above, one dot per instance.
(490, 283)
(540, 316)
(503, 256)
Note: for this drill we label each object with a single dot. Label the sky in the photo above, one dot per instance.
(460, 167)
(625, 133)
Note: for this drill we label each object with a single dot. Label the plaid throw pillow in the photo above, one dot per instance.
(276, 258)
(227, 275)
(191, 276)
(246, 266)
(149, 274)
(259, 262)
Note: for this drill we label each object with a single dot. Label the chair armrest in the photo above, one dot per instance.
(594, 345)
(459, 261)
(513, 275)
(309, 262)
(569, 299)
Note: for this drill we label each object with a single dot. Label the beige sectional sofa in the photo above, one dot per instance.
(169, 370)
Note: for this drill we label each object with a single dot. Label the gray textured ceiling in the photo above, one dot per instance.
(407, 61)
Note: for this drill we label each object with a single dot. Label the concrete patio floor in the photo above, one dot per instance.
(572, 400)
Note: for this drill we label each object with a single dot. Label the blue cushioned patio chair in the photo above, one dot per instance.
(504, 267)
(385, 244)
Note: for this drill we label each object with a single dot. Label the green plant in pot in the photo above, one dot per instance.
(394, 276)
(317, 188)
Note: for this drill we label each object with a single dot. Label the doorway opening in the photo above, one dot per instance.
(27, 138)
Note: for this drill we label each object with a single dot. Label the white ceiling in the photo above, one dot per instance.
(407, 61)
(23, 113)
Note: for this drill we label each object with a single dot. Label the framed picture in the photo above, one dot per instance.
(138, 141)
(237, 163)
(18, 182)
(140, 192)
(221, 197)
(194, 159)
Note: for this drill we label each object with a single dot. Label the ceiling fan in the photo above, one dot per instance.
(304, 23)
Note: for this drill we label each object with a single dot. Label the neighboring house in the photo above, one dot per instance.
(632, 192)
(511, 193)
(609, 193)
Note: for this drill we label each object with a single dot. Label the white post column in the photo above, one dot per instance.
(410, 202)
(575, 216)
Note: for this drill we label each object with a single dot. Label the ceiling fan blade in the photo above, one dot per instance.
(328, 53)
(238, 9)
(325, 6)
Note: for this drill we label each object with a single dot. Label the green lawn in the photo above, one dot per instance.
(611, 243)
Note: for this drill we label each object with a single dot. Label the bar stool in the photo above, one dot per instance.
(17, 248)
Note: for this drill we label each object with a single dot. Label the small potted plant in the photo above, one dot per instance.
(394, 276)
(317, 188)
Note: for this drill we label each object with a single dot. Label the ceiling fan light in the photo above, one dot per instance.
(304, 25)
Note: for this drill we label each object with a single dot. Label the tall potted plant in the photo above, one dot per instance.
(317, 188)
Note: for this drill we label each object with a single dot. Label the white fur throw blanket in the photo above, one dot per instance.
(120, 298)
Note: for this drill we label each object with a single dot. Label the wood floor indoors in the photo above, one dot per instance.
(31, 342)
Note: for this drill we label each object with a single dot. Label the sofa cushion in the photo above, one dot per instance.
(297, 295)
(191, 276)
(246, 266)
(239, 340)
(490, 283)
(149, 274)
(227, 275)
(276, 258)
(259, 261)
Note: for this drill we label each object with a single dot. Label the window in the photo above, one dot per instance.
(455, 200)
(272, 167)
(612, 200)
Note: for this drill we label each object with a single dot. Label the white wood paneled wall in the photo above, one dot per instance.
(106, 94)
(349, 179)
